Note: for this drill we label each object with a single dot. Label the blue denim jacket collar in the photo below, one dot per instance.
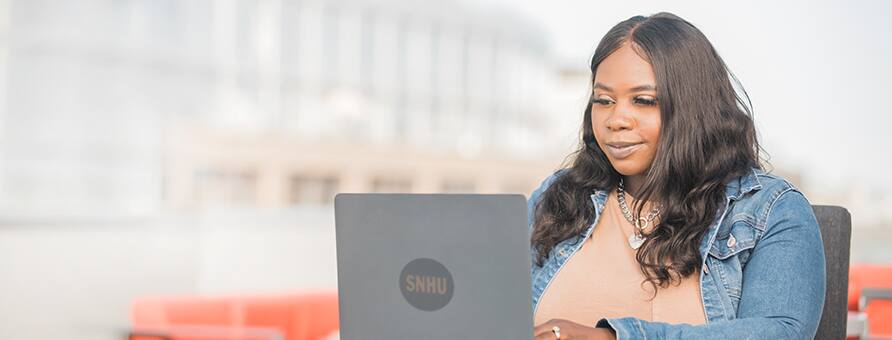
(734, 190)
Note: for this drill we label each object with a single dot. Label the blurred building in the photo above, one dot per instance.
(99, 95)
(218, 169)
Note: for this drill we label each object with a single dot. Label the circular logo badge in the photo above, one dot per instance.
(426, 284)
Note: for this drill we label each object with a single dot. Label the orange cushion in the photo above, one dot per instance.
(879, 318)
(867, 276)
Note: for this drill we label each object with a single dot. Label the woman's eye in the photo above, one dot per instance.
(646, 101)
(602, 101)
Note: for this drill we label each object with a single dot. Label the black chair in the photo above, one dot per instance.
(836, 231)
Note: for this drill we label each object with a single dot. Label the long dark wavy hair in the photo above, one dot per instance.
(707, 138)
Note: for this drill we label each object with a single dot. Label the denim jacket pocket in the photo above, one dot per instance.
(729, 254)
(735, 238)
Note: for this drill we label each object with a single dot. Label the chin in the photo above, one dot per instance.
(629, 168)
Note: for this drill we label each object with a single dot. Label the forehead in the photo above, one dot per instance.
(624, 69)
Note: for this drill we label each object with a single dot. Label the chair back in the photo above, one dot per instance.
(836, 231)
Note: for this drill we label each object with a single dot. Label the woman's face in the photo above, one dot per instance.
(625, 113)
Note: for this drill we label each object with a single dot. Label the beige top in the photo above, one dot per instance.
(603, 280)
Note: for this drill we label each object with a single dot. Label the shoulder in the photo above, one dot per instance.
(774, 182)
(764, 196)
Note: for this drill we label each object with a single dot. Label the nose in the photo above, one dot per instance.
(620, 119)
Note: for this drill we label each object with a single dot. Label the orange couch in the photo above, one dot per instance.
(303, 316)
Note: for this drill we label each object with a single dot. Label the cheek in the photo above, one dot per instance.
(651, 133)
(598, 123)
(650, 128)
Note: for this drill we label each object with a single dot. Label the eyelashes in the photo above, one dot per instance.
(644, 101)
(637, 100)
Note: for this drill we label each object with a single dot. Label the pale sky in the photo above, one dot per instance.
(818, 73)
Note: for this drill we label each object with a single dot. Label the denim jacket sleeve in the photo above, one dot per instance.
(783, 285)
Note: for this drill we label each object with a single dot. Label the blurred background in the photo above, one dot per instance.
(194, 147)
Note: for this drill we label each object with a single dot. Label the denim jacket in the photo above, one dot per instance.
(762, 275)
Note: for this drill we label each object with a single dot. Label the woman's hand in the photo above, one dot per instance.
(571, 331)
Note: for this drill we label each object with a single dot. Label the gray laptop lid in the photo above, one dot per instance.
(433, 266)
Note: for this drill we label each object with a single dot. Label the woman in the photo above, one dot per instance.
(665, 224)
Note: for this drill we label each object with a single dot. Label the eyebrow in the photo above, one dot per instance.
(638, 88)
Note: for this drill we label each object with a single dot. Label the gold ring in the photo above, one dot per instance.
(557, 332)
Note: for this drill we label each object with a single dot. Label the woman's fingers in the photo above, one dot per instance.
(545, 330)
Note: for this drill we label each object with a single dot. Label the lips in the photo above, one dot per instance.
(620, 150)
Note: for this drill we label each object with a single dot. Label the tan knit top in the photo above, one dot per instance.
(603, 280)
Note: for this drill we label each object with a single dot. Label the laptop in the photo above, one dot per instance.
(433, 266)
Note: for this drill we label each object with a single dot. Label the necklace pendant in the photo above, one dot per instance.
(635, 242)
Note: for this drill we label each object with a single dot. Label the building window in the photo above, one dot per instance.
(391, 185)
(312, 190)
